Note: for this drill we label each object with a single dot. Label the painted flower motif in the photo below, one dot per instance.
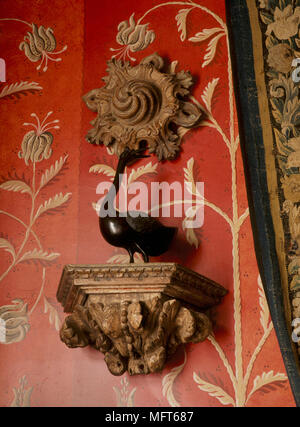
(14, 322)
(125, 398)
(22, 394)
(133, 37)
(280, 58)
(39, 45)
(291, 187)
(36, 143)
(286, 23)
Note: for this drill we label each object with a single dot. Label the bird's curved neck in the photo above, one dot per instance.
(113, 191)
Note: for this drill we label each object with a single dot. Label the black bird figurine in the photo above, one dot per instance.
(141, 233)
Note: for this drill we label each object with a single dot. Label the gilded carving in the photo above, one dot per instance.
(142, 103)
(137, 278)
(136, 315)
(138, 336)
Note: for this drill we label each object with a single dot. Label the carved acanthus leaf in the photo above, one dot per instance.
(137, 336)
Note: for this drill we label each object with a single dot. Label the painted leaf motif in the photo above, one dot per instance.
(14, 88)
(214, 391)
(53, 314)
(22, 394)
(130, 400)
(15, 403)
(211, 50)
(27, 397)
(208, 93)
(189, 178)
(135, 174)
(52, 203)
(16, 185)
(265, 379)
(118, 397)
(105, 169)
(49, 174)
(39, 255)
(7, 246)
(181, 22)
(188, 171)
(190, 233)
(205, 34)
(124, 398)
(168, 383)
(264, 312)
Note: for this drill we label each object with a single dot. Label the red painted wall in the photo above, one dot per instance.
(47, 218)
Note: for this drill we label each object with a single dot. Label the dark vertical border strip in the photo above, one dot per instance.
(256, 179)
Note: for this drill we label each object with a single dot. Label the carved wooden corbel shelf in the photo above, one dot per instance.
(142, 103)
(136, 314)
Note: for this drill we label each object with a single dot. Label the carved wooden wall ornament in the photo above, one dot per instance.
(142, 103)
(136, 315)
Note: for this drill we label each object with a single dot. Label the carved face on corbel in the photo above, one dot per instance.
(141, 104)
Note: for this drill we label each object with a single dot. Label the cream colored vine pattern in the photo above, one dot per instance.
(36, 146)
(168, 382)
(22, 394)
(239, 375)
(124, 396)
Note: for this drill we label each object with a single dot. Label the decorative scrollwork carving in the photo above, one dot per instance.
(136, 315)
(142, 103)
(138, 336)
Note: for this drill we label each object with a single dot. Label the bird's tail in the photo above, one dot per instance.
(163, 240)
